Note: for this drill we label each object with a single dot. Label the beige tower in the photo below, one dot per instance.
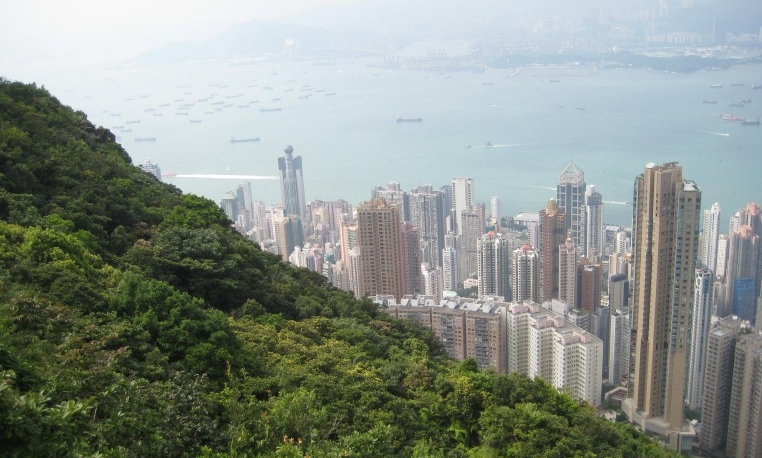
(380, 243)
(665, 244)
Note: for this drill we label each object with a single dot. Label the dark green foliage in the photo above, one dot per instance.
(135, 322)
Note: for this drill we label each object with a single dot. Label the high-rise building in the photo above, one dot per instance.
(394, 195)
(467, 328)
(741, 274)
(426, 213)
(552, 235)
(432, 281)
(494, 261)
(623, 242)
(381, 253)
(411, 258)
(462, 199)
(525, 274)
(745, 414)
(595, 229)
(570, 194)
(619, 329)
(292, 185)
(711, 235)
(665, 245)
(717, 382)
(568, 258)
(449, 268)
(472, 228)
(701, 320)
(589, 286)
(543, 344)
(495, 215)
(723, 245)
(287, 230)
(619, 346)
(149, 167)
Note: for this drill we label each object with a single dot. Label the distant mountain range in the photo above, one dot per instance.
(390, 25)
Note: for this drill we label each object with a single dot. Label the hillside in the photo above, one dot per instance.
(135, 322)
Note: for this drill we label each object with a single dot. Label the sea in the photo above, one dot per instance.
(512, 131)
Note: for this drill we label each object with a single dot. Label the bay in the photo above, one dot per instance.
(341, 118)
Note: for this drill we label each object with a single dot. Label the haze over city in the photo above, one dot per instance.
(575, 181)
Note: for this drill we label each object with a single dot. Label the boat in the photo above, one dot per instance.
(730, 117)
(736, 104)
(132, 121)
(744, 101)
(195, 121)
(265, 110)
(244, 140)
(488, 145)
(750, 122)
(756, 86)
(714, 102)
(145, 139)
(169, 174)
(737, 84)
(401, 119)
(716, 86)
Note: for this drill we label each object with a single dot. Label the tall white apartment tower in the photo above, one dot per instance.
(493, 265)
(495, 214)
(701, 320)
(462, 199)
(472, 227)
(425, 213)
(525, 274)
(711, 235)
(594, 232)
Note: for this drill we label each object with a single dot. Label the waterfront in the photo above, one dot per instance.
(341, 119)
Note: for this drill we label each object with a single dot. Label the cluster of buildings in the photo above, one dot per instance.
(666, 311)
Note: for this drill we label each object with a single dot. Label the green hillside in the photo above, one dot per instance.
(134, 322)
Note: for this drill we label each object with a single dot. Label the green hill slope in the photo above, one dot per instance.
(135, 322)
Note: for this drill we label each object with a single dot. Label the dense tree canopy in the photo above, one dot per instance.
(135, 322)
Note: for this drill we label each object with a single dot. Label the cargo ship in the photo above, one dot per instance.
(401, 119)
(244, 140)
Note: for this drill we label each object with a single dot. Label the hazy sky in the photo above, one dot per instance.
(32, 30)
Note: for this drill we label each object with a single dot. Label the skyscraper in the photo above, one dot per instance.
(495, 214)
(571, 199)
(292, 185)
(741, 274)
(425, 213)
(595, 231)
(411, 258)
(552, 235)
(462, 199)
(718, 382)
(619, 329)
(665, 245)
(589, 286)
(472, 226)
(745, 410)
(493, 265)
(701, 320)
(568, 257)
(525, 274)
(380, 244)
(711, 235)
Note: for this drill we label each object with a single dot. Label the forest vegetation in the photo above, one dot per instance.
(135, 322)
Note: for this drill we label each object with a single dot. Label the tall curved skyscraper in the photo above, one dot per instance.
(292, 185)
